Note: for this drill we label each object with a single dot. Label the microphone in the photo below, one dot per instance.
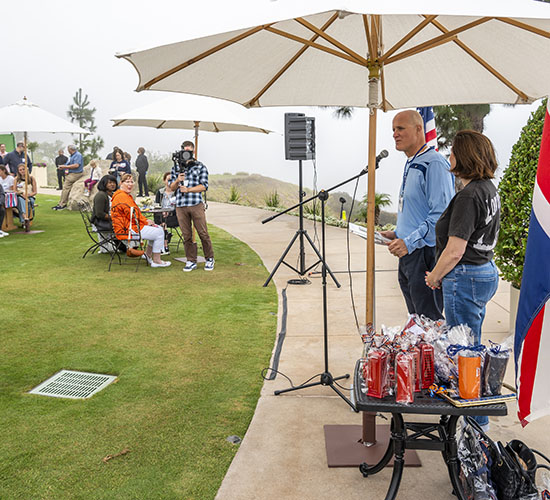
(383, 154)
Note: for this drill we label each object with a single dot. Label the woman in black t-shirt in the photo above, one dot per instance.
(466, 234)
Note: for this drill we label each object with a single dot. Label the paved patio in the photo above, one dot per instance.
(283, 453)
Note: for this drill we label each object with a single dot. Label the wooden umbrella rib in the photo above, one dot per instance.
(407, 37)
(216, 128)
(523, 26)
(207, 53)
(287, 65)
(484, 63)
(305, 41)
(372, 53)
(330, 39)
(383, 87)
(161, 124)
(438, 40)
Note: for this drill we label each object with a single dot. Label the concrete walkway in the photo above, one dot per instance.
(282, 455)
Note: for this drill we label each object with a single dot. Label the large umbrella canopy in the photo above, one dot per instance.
(381, 54)
(185, 111)
(25, 116)
(426, 52)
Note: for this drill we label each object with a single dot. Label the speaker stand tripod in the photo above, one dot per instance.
(300, 235)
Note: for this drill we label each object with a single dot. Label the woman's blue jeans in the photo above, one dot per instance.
(466, 291)
(21, 207)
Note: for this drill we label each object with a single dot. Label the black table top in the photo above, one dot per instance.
(423, 403)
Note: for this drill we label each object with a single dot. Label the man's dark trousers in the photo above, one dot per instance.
(420, 298)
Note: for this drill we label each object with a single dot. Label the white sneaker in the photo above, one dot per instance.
(165, 251)
(162, 263)
(86, 193)
(209, 265)
(2, 234)
(189, 266)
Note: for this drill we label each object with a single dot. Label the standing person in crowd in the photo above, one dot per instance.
(467, 233)
(2, 211)
(95, 175)
(189, 181)
(3, 152)
(142, 165)
(15, 157)
(26, 188)
(466, 236)
(126, 216)
(61, 159)
(119, 165)
(75, 168)
(111, 155)
(426, 190)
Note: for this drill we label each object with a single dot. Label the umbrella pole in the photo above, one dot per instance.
(369, 419)
(27, 215)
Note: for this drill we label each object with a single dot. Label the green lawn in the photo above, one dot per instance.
(188, 349)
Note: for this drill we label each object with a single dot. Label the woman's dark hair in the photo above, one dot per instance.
(102, 184)
(475, 156)
(166, 174)
(4, 169)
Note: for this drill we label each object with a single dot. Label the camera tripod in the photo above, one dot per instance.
(300, 234)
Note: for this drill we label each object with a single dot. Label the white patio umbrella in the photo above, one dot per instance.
(25, 116)
(380, 54)
(196, 113)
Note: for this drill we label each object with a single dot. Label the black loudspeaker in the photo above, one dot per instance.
(299, 137)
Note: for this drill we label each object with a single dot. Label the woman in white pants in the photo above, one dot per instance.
(127, 217)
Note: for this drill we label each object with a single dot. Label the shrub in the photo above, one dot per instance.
(154, 182)
(313, 208)
(516, 195)
(272, 199)
(234, 195)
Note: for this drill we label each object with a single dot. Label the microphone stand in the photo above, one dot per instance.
(326, 378)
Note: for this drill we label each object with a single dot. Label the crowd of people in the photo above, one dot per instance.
(115, 210)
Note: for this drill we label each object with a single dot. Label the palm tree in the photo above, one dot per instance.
(381, 200)
(450, 119)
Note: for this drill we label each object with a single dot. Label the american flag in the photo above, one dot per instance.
(532, 337)
(427, 114)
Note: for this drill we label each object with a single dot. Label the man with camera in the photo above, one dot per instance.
(188, 179)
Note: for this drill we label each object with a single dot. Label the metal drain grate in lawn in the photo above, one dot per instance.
(73, 385)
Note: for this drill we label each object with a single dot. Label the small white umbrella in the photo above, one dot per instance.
(190, 112)
(25, 116)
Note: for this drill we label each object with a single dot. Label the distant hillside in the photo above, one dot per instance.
(254, 188)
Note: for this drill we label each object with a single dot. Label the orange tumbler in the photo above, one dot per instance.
(469, 377)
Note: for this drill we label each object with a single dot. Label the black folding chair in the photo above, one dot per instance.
(130, 234)
(102, 240)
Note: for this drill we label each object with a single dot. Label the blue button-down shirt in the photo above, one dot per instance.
(76, 157)
(13, 159)
(197, 174)
(427, 189)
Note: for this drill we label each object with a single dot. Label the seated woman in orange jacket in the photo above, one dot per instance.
(126, 216)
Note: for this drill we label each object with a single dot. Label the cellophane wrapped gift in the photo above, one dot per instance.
(405, 377)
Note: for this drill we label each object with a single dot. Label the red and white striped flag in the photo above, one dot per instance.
(532, 338)
(427, 114)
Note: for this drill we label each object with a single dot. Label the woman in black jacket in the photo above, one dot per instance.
(102, 203)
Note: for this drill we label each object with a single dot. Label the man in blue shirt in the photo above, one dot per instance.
(189, 186)
(13, 159)
(74, 170)
(426, 190)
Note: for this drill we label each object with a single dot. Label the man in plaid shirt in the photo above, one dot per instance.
(188, 187)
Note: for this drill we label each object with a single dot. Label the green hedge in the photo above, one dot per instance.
(516, 194)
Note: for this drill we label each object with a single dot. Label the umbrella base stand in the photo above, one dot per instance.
(345, 448)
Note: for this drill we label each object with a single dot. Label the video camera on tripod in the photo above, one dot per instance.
(183, 160)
